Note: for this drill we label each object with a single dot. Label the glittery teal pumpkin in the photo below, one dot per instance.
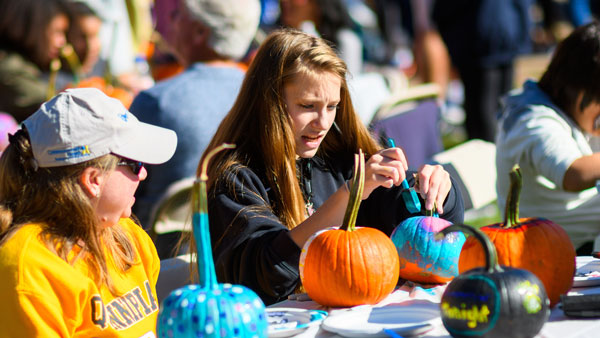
(422, 258)
(210, 309)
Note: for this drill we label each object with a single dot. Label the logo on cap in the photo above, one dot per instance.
(80, 151)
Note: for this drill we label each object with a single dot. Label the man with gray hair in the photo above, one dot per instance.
(209, 38)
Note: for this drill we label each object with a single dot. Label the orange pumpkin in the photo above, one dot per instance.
(349, 266)
(535, 244)
(121, 94)
(118, 93)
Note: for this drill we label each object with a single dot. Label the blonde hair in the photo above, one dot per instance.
(54, 198)
(260, 126)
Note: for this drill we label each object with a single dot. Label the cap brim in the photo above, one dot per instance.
(149, 144)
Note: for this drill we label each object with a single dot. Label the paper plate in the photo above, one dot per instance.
(412, 320)
(587, 274)
(286, 322)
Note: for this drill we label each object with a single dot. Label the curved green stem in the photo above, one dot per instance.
(491, 256)
(207, 276)
(74, 63)
(511, 211)
(356, 192)
(54, 68)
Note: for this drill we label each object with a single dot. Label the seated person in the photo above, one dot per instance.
(32, 32)
(81, 63)
(545, 128)
(296, 133)
(208, 38)
(74, 263)
(81, 59)
(330, 20)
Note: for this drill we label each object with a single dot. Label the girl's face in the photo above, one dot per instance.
(90, 30)
(312, 101)
(56, 35)
(116, 197)
(180, 32)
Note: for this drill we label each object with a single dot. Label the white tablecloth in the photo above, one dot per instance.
(557, 326)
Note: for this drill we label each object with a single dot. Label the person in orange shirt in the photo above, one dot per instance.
(74, 263)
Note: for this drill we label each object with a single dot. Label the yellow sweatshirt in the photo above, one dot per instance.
(41, 295)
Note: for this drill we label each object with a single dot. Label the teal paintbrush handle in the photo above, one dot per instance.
(411, 200)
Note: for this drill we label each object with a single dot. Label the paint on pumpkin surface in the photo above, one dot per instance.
(472, 316)
(472, 308)
(415, 243)
(531, 299)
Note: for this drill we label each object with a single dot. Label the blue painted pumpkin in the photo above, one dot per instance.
(210, 309)
(422, 258)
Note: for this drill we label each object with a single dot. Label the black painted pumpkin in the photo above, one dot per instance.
(493, 301)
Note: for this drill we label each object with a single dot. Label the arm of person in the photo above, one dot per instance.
(385, 169)
(385, 208)
(583, 173)
(557, 151)
(250, 245)
(545, 143)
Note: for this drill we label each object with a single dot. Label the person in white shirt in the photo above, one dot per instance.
(545, 127)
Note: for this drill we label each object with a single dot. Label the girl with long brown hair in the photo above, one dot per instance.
(296, 134)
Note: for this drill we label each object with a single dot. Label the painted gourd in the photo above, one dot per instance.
(493, 301)
(422, 258)
(535, 244)
(210, 309)
(351, 265)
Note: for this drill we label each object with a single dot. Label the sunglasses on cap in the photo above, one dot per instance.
(135, 166)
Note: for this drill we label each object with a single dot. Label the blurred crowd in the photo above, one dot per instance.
(123, 47)
(180, 63)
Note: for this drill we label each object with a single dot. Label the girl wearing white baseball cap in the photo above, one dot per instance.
(73, 261)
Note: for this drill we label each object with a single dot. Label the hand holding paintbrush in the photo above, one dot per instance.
(409, 195)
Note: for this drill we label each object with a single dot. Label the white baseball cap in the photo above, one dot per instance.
(233, 23)
(81, 124)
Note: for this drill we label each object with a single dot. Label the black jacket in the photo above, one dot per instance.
(253, 248)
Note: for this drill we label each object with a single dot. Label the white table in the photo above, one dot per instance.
(557, 326)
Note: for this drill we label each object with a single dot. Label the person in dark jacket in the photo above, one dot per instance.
(483, 38)
(296, 134)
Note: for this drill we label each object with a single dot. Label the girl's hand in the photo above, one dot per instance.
(434, 185)
(385, 168)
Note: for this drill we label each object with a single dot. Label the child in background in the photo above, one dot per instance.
(545, 128)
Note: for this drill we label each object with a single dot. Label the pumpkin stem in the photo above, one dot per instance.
(432, 212)
(511, 211)
(356, 192)
(54, 68)
(491, 256)
(73, 60)
(206, 267)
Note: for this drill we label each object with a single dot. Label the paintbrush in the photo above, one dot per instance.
(409, 195)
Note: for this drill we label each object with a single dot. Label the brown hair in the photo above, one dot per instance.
(574, 69)
(23, 26)
(261, 128)
(54, 198)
